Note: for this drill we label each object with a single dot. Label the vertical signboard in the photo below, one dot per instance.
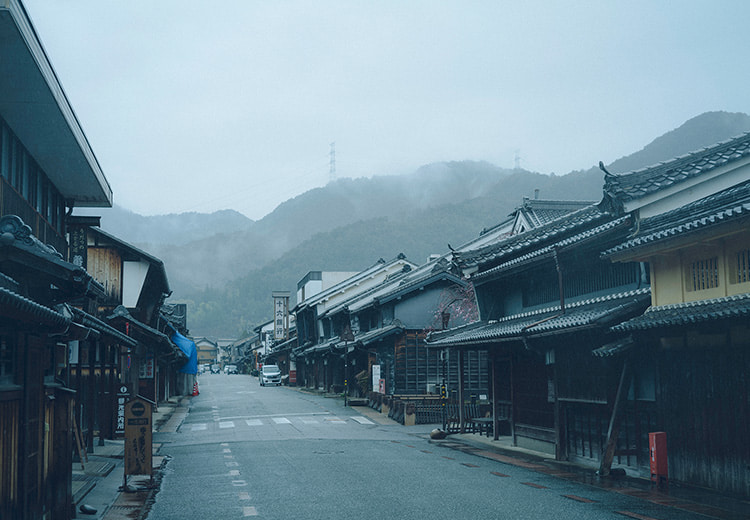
(146, 368)
(280, 315)
(138, 441)
(78, 247)
(123, 393)
(375, 378)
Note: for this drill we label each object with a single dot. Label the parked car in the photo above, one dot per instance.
(215, 369)
(230, 369)
(270, 375)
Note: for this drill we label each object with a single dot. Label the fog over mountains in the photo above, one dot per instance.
(225, 265)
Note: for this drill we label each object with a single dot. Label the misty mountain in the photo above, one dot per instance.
(172, 229)
(225, 246)
(696, 133)
(227, 271)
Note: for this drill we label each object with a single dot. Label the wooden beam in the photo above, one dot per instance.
(613, 431)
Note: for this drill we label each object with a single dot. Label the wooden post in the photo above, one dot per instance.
(512, 400)
(461, 414)
(493, 395)
(81, 452)
(613, 431)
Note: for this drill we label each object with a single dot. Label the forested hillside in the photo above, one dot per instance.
(226, 266)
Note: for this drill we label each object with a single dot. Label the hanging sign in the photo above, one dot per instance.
(280, 315)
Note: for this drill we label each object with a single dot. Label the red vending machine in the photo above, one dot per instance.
(657, 447)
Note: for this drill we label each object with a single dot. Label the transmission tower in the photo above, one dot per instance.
(332, 163)
(517, 160)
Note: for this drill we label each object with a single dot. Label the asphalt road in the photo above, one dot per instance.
(278, 453)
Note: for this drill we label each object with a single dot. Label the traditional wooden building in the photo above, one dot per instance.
(317, 365)
(692, 227)
(388, 325)
(546, 301)
(208, 351)
(46, 168)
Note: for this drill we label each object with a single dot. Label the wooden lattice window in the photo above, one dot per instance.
(703, 274)
(741, 267)
(6, 362)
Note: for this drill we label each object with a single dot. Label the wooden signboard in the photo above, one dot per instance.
(138, 438)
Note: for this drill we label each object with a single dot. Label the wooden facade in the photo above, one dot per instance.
(695, 335)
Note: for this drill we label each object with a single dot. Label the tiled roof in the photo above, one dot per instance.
(20, 308)
(398, 285)
(719, 208)
(637, 184)
(98, 325)
(681, 314)
(555, 230)
(374, 335)
(540, 212)
(542, 251)
(595, 312)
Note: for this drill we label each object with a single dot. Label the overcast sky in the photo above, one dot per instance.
(233, 104)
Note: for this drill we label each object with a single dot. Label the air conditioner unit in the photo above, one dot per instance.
(431, 388)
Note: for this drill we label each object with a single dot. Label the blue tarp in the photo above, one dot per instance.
(190, 350)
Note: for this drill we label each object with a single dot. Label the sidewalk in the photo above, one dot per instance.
(100, 484)
(681, 497)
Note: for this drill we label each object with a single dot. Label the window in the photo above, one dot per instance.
(740, 267)
(4, 151)
(703, 274)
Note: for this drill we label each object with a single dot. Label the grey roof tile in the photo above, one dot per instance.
(595, 312)
(634, 185)
(681, 314)
(555, 230)
(720, 208)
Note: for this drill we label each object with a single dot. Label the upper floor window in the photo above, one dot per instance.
(20, 170)
(703, 274)
(739, 268)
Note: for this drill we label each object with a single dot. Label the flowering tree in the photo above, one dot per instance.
(457, 305)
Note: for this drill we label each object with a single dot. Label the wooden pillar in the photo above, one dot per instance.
(461, 412)
(103, 394)
(91, 397)
(512, 399)
(613, 431)
(493, 394)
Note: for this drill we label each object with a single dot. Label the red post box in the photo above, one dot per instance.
(657, 447)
